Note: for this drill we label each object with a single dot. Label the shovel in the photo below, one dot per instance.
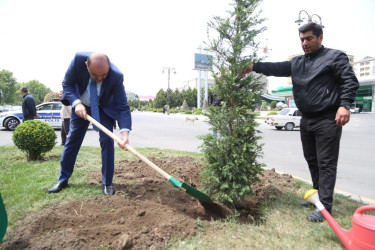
(189, 189)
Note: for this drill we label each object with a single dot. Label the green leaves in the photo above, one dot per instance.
(232, 150)
(34, 138)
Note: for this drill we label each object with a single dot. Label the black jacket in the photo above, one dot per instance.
(28, 107)
(322, 81)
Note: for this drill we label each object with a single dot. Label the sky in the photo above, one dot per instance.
(38, 38)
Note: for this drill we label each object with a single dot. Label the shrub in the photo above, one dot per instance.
(205, 105)
(188, 112)
(273, 104)
(264, 107)
(34, 138)
(185, 106)
(198, 112)
(272, 113)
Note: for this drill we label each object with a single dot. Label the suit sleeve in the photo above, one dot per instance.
(124, 115)
(69, 84)
(274, 69)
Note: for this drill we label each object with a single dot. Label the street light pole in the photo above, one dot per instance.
(309, 18)
(169, 70)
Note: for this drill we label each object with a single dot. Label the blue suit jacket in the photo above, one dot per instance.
(112, 97)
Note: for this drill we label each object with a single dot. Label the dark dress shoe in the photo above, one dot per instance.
(108, 190)
(57, 187)
(315, 216)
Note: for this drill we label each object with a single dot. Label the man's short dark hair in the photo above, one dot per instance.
(311, 26)
(24, 90)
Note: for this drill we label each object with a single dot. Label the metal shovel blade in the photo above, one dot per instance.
(190, 190)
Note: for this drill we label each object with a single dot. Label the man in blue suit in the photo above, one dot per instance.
(89, 73)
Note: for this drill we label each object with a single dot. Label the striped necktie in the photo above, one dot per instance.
(94, 102)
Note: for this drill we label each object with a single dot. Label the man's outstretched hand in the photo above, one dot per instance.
(246, 71)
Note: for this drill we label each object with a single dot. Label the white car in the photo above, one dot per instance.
(48, 112)
(354, 110)
(288, 118)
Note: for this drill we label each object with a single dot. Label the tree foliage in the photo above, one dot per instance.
(160, 99)
(37, 89)
(231, 152)
(8, 87)
(176, 98)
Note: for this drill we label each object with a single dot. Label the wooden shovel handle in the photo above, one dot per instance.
(128, 147)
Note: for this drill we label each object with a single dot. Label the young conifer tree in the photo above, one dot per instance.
(232, 150)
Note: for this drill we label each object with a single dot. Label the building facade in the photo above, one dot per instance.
(365, 72)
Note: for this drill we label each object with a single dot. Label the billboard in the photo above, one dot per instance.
(291, 103)
(201, 61)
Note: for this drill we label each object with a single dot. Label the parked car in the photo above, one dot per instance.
(48, 112)
(288, 118)
(354, 110)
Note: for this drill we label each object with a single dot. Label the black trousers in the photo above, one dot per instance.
(320, 138)
(64, 130)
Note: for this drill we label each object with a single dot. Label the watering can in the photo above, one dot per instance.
(362, 234)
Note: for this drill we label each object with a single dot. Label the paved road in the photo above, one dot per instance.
(356, 166)
(282, 149)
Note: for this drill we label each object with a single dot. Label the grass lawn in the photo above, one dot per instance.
(283, 225)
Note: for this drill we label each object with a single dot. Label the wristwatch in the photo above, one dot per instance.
(346, 106)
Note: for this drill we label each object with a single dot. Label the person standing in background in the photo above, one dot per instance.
(65, 113)
(28, 105)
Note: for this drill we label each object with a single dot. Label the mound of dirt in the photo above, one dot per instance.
(146, 211)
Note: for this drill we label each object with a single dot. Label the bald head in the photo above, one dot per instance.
(98, 66)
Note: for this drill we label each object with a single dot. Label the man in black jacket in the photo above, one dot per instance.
(324, 86)
(28, 105)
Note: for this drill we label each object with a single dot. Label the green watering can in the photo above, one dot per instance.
(3, 219)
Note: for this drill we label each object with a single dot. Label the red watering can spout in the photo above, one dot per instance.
(362, 234)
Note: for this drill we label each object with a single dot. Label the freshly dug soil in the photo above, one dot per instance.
(146, 212)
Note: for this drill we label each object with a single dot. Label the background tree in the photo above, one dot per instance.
(8, 87)
(190, 95)
(231, 165)
(160, 99)
(177, 99)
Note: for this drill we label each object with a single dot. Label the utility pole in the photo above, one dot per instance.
(169, 70)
